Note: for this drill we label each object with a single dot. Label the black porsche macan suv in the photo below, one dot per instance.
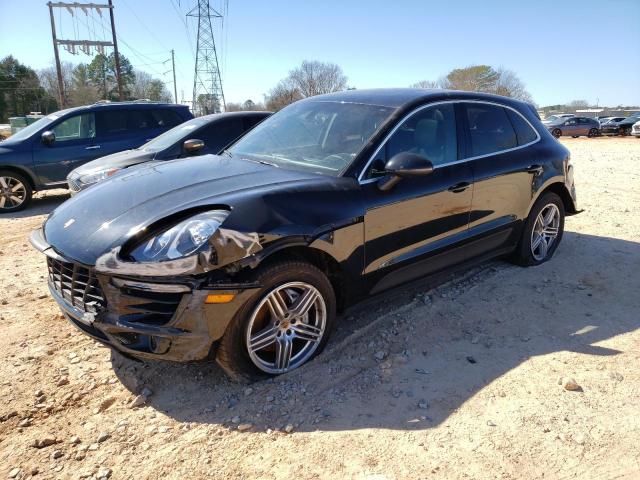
(246, 257)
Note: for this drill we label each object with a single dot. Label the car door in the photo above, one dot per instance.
(584, 124)
(570, 127)
(409, 228)
(74, 144)
(503, 172)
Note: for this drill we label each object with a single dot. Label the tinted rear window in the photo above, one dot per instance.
(112, 122)
(165, 118)
(524, 132)
(489, 129)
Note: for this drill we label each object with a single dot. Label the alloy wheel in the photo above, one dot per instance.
(593, 133)
(286, 327)
(557, 132)
(545, 231)
(12, 192)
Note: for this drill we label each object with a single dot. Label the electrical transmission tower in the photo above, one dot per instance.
(208, 96)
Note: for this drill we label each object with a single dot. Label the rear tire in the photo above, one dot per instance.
(15, 191)
(542, 232)
(257, 339)
(593, 133)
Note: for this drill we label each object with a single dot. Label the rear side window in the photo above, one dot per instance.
(112, 122)
(139, 119)
(165, 118)
(490, 129)
(524, 132)
(220, 134)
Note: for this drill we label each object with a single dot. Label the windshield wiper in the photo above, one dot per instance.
(227, 152)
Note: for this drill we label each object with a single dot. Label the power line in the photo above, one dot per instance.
(144, 25)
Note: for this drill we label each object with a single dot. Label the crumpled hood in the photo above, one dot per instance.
(103, 217)
(115, 160)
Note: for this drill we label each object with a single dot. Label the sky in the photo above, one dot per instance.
(563, 50)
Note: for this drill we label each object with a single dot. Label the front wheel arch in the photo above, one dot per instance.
(22, 171)
(319, 259)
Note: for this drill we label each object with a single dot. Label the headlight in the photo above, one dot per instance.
(91, 178)
(181, 240)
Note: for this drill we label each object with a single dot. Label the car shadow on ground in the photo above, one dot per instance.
(42, 203)
(436, 349)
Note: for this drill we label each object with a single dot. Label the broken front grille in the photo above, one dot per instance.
(77, 285)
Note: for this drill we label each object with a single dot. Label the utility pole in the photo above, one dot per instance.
(207, 82)
(88, 47)
(175, 86)
(115, 50)
(55, 50)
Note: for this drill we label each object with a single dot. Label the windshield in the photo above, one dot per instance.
(171, 137)
(29, 130)
(323, 137)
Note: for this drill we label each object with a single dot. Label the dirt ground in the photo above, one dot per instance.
(457, 381)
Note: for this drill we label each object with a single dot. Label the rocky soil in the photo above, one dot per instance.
(501, 372)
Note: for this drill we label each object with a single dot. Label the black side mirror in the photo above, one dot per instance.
(404, 164)
(192, 146)
(48, 137)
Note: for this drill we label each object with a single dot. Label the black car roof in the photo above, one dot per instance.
(400, 97)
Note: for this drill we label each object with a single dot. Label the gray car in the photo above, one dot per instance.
(574, 127)
(200, 136)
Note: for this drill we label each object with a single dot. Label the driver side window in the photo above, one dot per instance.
(76, 128)
(430, 132)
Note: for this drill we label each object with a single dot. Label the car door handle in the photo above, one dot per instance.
(537, 169)
(93, 147)
(459, 187)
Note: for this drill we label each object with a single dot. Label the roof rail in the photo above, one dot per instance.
(126, 102)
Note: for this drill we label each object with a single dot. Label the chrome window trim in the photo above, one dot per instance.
(448, 164)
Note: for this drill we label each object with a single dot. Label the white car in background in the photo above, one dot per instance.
(635, 130)
(553, 118)
(611, 119)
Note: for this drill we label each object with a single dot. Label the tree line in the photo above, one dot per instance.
(24, 90)
(315, 78)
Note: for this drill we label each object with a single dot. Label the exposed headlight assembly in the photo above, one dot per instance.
(91, 178)
(182, 240)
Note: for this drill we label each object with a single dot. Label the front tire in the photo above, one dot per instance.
(542, 232)
(284, 325)
(593, 133)
(15, 191)
(557, 133)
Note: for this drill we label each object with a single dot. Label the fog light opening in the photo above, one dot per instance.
(159, 345)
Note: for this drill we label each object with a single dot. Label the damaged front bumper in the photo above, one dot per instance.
(148, 318)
